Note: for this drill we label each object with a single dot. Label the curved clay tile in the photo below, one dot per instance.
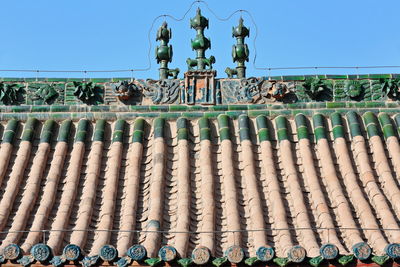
(207, 238)
(17, 173)
(367, 178)
(254, 201)
(229, 184)
(70, 188)
(156, 204)
(7, 147)
(110, 189)
(50, 189)
(78, 237)
(128, 216)
(32, 187)
(278, 211)
(318, 201)
(361, 205)
(301, 217)
(333, 187)
(392, 143)
(183, 194)
(388, 183)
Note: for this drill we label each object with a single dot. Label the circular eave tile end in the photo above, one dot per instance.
(234, 254)
(108, 253)
(201, 255)
(329, 251)
(72, 252)
(137, 252)
(11, 252)
(297, 254)
(362, 251)
(41, 252)
(265, 253)
(167, 253)
(393, 250)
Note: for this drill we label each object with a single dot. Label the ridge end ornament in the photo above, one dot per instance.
(200, 44)
(240, 51)
(164, 52)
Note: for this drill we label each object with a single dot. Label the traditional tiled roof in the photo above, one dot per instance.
(289, 187)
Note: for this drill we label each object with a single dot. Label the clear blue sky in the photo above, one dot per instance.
(105, 34)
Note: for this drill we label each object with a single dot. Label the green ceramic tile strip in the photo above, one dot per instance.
(64, 131)
(319, 127)
(301, 125)
(244, 129)
(29, 129)
(108, 112)
(353, 123)
(205, 132)
(118, 134)
(386, 125)
(159, 127)
(397, 119)
(337, 125)
(281, 128)
(183, 131)
(98, 134)
(10, 131)
(263, 131)
(47, 131)
(81, 130)
(223, 127)
(371, 124)
(138, 131)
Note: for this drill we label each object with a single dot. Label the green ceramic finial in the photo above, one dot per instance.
(200, 43)
(164, 52)
(240, 51)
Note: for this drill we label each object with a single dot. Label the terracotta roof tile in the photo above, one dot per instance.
(296, 187)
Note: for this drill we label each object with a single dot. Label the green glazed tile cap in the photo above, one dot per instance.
(223, 125)
(244, 130)
(139, 124)
(262, 126)
(47, 131)
(183, 132)
(319, 127)
(281, 122)
(12, 125)
(301, 124)
(354, 125)
(181, 123)
(205, 131)
(159, 127)
(29, 129)
(119, 125)
(118, 134)
(336, 119)
(98, 134)
(10, 131)
(81, 130)
(203, 123)
(337, 125)
(281, 127)
(397, 120)
(138, 131)
(64, 131)
(371, 124)
(223, 121)
(100, 125)
(386, 125)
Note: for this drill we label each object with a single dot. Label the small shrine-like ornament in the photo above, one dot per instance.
(200, 83)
